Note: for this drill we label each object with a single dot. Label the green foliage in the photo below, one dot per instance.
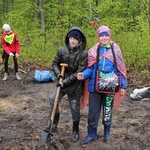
(145, 73)
(135, 47)
(129, 22)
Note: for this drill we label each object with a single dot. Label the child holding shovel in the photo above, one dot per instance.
(75, 55)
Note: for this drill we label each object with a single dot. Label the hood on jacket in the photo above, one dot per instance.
(83, 38)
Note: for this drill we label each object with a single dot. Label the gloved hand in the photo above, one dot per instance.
(59, 76)
(17, 55)
(11, 54)
(60, 84)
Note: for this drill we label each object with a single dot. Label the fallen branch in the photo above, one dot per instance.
(22, 71)
(22, 83)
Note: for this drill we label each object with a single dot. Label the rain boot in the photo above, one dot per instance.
(5, 77)
(92, 136)
(75, 133)
(55, 122)
(17, 76)
(107, 138)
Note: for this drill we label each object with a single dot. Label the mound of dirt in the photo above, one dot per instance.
(24, 108)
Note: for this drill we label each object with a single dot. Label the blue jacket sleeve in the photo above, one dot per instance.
(87, 72)
(123, 82)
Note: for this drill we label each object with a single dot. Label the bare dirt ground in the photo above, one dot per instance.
(24, 107)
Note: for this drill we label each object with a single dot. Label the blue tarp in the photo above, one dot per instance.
(43, 76)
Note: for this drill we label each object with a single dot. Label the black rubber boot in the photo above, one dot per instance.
(55, 123)
(75, 133)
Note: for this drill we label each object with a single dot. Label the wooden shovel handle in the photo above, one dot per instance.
(63, 65)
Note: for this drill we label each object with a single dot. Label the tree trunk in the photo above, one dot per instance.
(42, 16)
(149, 17)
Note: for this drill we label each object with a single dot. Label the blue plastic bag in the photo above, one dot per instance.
(43, 76)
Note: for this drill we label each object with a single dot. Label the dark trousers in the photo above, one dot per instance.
(74, 101)
(96, 102)
(6, 58)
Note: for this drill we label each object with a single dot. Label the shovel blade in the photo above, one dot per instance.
(46, 136)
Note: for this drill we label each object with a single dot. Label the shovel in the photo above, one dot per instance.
(47, 135)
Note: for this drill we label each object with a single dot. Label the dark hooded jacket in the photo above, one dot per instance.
(76, 59)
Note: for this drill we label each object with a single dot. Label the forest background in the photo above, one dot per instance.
(42, 25)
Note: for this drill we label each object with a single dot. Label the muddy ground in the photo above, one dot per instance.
(24, 107)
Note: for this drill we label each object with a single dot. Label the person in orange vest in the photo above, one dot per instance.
(11, 47)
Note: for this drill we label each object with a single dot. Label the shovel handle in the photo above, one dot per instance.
(63, 65)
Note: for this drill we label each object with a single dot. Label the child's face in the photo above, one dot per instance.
(104, 40)
(73, 42)
(6, 32)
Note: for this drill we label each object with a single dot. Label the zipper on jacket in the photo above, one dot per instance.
(104, 60)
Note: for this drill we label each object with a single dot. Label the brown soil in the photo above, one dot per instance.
(24, 107)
